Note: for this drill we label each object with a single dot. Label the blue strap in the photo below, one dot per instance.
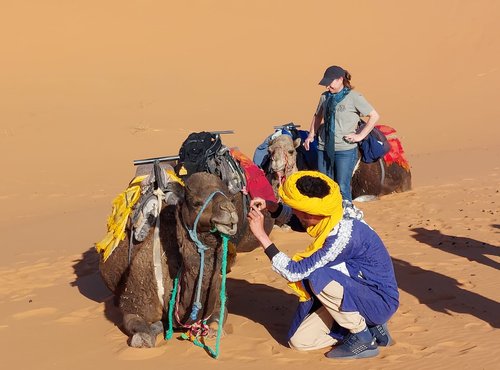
(211, 351)
(201, 250)
(197, 304)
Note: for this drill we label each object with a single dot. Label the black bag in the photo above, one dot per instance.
(204, 152)
(195, 151)
(374, 146)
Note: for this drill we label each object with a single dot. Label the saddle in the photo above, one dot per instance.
(137, 208)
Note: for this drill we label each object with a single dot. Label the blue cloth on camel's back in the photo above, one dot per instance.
(306, 159)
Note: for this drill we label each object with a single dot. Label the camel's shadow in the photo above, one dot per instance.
(271, 307)
(90, 284)
(471, 249)
(444, 294)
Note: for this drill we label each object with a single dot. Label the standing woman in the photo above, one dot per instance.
(335, 122)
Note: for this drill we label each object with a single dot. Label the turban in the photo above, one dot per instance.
(330, 206)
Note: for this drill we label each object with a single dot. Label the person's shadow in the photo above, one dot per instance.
(90, 284)
(471, 249)
(271, 307)
(444, 294)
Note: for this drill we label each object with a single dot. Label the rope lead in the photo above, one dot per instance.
(197, 304)
(215, 353)
(168, 335)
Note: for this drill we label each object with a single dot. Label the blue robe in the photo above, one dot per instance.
(354, 256)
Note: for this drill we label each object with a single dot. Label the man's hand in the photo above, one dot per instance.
(258, 203)
(256, 224)
(262, 204)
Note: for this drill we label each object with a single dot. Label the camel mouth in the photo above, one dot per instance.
(226, 229)
(279, 171)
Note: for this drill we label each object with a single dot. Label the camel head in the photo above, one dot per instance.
(283, 156)
(219, 213)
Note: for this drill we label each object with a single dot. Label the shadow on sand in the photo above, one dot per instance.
(90, 285)
(471, 249)
(271, 307)
(444, 294)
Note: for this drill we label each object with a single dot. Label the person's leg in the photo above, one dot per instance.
(344, 164)
(324, 164)
(313, 332)
(331, 298)
(359, 343)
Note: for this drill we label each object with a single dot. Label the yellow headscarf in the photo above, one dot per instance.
(329, 206)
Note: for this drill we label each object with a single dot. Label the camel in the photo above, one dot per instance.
(282, 154)
(369, 179)
(205, 152)
(130, 273)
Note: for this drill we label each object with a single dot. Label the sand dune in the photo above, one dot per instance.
(88, 87)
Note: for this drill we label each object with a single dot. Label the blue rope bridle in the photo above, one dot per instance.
(201, 250)
(197, 304)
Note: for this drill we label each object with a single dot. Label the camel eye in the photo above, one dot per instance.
(291, 152)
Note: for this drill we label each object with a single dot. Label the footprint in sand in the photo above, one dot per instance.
(475, 325)
(437, 298)
(39, 312)
(81, 315)
(414, 329)
(453, 344)
(394, 358)
(467, 284)
(134, 354)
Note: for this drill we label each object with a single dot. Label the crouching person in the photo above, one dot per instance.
(344, 278)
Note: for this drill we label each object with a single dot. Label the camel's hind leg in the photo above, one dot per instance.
(143, 333)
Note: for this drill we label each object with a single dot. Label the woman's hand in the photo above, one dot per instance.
(309, 139)
(353, 138)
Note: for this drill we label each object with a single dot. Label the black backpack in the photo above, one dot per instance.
(195, 151)
(204, 152)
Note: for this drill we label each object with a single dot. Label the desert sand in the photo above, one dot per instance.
(89, 86)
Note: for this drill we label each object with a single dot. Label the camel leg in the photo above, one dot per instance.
(157, 328)
(213, 322)
(143, 334)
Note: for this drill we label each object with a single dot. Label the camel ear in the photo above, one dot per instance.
(296, 142)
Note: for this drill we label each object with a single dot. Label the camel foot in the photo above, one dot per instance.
(157, 328)
(213, 328)
(143, 340)
(366, 198)
(284, 227)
